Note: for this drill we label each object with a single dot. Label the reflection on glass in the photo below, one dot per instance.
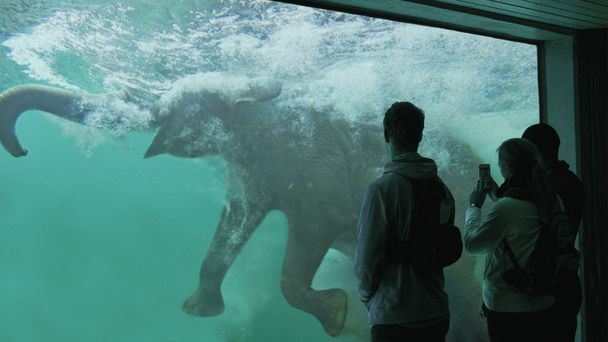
(276, 111)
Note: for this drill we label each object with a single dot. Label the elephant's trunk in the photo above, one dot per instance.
(15, 101)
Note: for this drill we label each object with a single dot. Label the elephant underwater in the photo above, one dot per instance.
(313, 166)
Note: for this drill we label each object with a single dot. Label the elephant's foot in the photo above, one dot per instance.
(328, 306)
(204, 303)
(331, 310)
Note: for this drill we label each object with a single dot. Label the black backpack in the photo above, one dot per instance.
(553, 258)
(433, 241)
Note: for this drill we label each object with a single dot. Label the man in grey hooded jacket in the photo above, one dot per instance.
(404, 304)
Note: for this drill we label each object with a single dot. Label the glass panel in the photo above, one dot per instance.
(100, 244)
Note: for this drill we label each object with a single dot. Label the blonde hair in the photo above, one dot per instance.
(522, 159)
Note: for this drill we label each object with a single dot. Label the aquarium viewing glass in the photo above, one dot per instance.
(269, 104)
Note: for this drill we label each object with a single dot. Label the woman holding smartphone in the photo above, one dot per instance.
(512, 223)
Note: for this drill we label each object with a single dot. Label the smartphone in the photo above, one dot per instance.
(485, 179)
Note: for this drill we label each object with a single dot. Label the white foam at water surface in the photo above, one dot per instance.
(303, 47)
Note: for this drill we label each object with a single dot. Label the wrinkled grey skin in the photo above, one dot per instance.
(316, 176)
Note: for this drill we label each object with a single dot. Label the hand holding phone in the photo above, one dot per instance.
(485, 179)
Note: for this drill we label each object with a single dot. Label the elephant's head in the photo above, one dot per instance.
(197, 116)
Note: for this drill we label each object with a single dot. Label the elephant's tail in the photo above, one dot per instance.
(16, 100)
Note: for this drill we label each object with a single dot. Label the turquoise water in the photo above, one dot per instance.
(100, 244)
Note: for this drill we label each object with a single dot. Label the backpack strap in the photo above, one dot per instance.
(510, 253)
(446, 194)
(395, 235)
(517, 276)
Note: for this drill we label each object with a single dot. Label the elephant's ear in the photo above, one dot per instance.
(160, 143)
(165, 136)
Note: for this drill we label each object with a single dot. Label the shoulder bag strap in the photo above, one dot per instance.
(510, 253)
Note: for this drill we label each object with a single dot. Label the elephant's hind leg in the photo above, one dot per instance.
(304, 254)
(239, 219)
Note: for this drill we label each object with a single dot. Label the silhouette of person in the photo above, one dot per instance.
(404, 304)
(568, 295)
(514, 223)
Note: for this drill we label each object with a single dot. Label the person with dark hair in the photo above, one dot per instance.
(404, 303)
(507, 238)
(568, 295)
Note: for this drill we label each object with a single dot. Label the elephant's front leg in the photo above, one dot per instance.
(307, 244)
(240, 217)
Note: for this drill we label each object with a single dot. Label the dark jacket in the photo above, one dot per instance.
(570, 190)
(569, 294)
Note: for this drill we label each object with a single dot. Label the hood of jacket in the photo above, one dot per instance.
(411, 165)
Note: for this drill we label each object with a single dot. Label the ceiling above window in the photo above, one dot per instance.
(532, 20)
